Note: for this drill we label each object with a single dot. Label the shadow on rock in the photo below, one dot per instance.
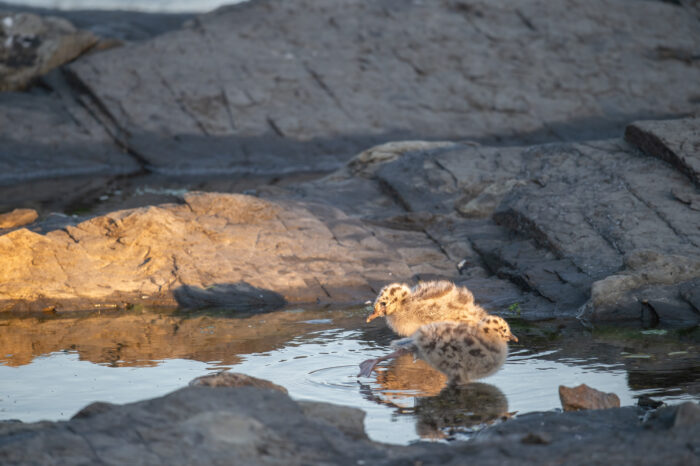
(240, 296)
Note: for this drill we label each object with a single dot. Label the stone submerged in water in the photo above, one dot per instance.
(585, 397)
(234, 379)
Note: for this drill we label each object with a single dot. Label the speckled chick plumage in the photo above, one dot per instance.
(406, 309)
(461, 351)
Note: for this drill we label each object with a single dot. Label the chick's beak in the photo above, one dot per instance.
(513, 338)
(373, 316)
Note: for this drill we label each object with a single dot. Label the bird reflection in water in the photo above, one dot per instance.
(414, 388)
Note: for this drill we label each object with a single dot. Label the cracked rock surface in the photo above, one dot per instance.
(274, 87)
(213, 250)
(596, 230)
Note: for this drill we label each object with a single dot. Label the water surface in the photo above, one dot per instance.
(53, 365)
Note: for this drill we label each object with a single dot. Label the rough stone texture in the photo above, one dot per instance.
(31, 45)
(350, 421)
(257, 426)
(649, 281)
(231, 247)
(215, 96)
(675, 141)
(532, 226)
(687, 415)
(48, 137)
(234, 379)
(358, 73)
(585, 397)
(18, 218)
(566, 217)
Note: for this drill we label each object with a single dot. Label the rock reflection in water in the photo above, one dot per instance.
(144, 338)
(414, 388)
(404, 379)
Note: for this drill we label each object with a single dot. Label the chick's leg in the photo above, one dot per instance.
(366, 367)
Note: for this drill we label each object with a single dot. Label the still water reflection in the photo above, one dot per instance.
(51, 366)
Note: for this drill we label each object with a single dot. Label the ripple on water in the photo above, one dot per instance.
(51, 367)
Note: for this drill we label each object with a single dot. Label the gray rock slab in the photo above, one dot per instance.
(44, 136)
(311, 82)
(567, 215)
(652, 286)
(675, 141)
(257, 426)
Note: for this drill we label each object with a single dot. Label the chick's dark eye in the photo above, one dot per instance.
(382, 304)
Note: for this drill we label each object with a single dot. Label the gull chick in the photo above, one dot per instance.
(406, 309)
(461, 351)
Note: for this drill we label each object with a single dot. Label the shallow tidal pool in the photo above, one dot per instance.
(53, 365)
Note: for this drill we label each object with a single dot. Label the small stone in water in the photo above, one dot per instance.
(585, 397)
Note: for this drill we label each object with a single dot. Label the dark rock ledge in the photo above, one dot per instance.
(203, 425)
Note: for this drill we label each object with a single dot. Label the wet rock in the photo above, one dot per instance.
(651, 282)
(94, 409)
(536, 438)
(234, 379)
(645, 401)
(18, 218)
(617, 434)
(585, 397)
(687, 414)
(223, 249)
(31, 45)
(259, 426)
(675, 141)
(350, 421)
(682, 417)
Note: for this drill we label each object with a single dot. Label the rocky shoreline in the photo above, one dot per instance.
(256, 425)
(305, 151)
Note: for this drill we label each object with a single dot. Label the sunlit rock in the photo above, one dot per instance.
(17, 218)
(585, 397)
